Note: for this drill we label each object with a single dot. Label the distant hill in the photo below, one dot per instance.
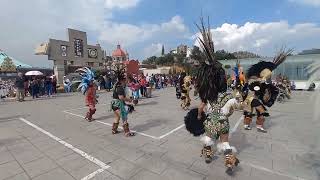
(245, 54)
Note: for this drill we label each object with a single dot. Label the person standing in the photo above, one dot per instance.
(143, 86)
(54, 84)
(20, 87)
(67, 84)
(26, 87)
(48, 86)
(34, 88)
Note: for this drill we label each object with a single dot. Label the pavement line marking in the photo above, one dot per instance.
(143, 134)
(236, 125)
(96, 161)
(83, 107)
(172, 131)
(101, 122)
(272, 171)
(93, 174)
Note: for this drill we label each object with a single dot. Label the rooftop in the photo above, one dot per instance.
(3, 55)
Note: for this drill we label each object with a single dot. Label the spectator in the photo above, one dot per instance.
(35, 88)
(67, 84)
(54, 84)
(48, 85)
(20, 87)
(143, 85)
(26, 87)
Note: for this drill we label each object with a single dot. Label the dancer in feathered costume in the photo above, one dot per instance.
(88, 89)
(261, 91)
(118, 104)
(185, 90)
(213, 123)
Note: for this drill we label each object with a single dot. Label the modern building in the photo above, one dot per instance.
(76, 52)
(296, 68)
(310, 51)
(16, 62)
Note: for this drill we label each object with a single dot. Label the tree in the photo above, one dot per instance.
(8, 65)
(197, 54)
(150, 60)
(162, 51)
(222, 55)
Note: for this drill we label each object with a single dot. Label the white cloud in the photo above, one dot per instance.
(153, 50)
(265, 38)
(314, 3)
(121, 4)
(30, 23)
(129, 34)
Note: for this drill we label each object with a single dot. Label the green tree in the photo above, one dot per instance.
(162, 51)
(7, 65)
(222, 55)
(197, 54)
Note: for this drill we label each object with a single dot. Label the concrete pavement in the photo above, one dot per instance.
(49, 139)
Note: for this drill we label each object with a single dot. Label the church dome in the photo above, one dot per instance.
(119, 52)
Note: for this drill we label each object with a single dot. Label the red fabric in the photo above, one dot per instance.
(91, 96)
(143, 82)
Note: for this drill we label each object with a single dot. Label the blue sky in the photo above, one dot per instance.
(142, 26)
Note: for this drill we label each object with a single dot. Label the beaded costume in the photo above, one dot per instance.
(185, 95)
(213, 124)
(260, 91)
(118, 105)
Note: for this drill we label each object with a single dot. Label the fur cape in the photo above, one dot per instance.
(193, 124)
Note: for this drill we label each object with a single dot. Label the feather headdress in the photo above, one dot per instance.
(119, 71)
(87, 76)
(211, 78)
(257, 69)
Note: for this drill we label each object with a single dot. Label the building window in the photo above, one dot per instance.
(71, 62)
(118, 59)
(78, 47)
(100, 64)
(65, 62)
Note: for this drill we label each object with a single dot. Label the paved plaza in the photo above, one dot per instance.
(48, 139)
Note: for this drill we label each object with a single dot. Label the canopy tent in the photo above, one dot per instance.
(3, 55)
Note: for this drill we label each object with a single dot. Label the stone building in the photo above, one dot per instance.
(119, 55)
(76, 52)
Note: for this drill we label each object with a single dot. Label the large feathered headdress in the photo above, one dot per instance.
(87, 76)
(263, 69)
(119, 72)
(211, 78)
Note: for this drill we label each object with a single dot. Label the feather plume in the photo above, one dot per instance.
(281, 56)
(86, 77)
(211, 78)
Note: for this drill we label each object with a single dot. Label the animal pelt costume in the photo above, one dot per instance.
(88, 89)
(261, 92)
(185, 92)
(119, 104)
(211, 84)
